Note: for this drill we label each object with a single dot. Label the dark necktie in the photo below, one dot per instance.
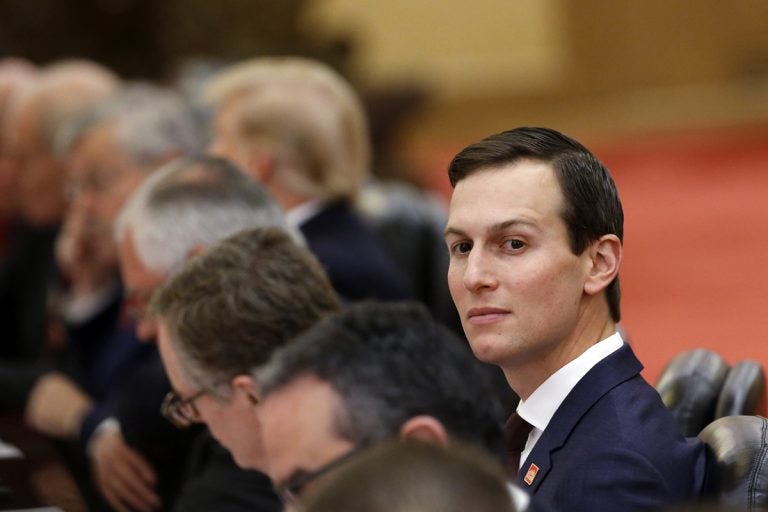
(516, 432)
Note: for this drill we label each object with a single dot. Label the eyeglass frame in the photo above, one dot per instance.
(290, 491)
(174, 406)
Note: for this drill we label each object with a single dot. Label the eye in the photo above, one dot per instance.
(514, 244)
(461, 247)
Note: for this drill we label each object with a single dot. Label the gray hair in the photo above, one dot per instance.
(192, 202)
(230, 307)
(151, 124)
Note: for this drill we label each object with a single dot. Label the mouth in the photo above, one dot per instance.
(486, 315)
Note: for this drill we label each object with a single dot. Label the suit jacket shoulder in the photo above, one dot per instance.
(352, 256)
(612, 445)
(215, 482)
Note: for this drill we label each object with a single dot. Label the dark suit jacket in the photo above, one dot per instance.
(26, 273)
(215, 482)
(613, 446)
(352, 256)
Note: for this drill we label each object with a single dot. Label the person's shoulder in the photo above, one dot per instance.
(219, 484)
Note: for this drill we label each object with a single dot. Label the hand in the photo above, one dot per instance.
(56, 406)
(124, 477)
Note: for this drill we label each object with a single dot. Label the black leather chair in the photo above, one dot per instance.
(739, 446)
(699, 387)
(743, 391)
(690, 386)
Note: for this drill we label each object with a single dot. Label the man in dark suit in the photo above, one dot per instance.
(535, 236)
(299, 129)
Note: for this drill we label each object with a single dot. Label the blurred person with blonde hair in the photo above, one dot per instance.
(299, 128)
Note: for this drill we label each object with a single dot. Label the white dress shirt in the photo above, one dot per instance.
(301, 213)
(546, 399)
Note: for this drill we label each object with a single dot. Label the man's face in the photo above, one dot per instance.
(140, 282)
(298, 432)
(516, 283)
(102, 176)
(233, 422)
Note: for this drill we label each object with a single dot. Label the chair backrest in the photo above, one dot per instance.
(743, 391)
(740, 448)
(690, 385)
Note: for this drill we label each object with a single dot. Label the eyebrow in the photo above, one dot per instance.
(496, 228)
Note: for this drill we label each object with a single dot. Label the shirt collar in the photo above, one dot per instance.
(300, 214)
(546, 399)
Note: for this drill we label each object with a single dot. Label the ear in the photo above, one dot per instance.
(424, 428)
(605, 259)
(245, 384)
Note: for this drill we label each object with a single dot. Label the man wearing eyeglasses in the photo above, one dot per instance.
(223, 315)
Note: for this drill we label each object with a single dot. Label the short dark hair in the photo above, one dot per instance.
(591, 204)
(232, 305)
(390, 362)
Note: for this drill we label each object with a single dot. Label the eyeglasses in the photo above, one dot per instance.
(181, 411)
(290, 491)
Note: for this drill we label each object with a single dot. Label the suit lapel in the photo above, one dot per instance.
(618, 367)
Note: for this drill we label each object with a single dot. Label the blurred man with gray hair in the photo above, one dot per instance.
(57, 93)
(110, 148)
(184, 207)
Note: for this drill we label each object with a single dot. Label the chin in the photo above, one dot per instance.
(486, 350)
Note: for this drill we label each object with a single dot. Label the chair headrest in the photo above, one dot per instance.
(740, 447)
(689, 386)
(743, 391)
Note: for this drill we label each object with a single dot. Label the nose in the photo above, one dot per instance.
(478, 272)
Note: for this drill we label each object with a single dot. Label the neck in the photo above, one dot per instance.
(525, 376)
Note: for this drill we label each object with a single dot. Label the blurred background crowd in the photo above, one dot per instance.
(673, 97)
